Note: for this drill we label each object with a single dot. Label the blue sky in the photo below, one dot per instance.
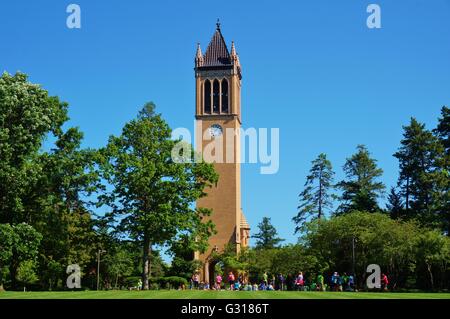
(311, 68)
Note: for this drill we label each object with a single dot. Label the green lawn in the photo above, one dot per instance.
(173, 294)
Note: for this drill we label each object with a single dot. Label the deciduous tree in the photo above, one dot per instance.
(153, 196)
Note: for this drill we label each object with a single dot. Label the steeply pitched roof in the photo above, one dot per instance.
(217, 52)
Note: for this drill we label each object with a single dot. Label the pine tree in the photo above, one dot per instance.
(395, 204)
(442, 132)
(267, 236)
(361, 189)
(315, 197)
(423, 179)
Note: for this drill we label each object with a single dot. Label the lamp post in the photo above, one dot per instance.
(99, 252)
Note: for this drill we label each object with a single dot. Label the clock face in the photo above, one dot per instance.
(215, 130)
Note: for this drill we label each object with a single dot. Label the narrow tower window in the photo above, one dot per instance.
(207, 97)
(216, 97)
(224, 96)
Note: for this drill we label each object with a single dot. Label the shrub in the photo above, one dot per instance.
(173, 282)
(132, 281)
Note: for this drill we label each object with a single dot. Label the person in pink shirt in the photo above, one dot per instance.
(231, 280)
(218, 281)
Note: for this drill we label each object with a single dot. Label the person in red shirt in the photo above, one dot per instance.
(384, 282)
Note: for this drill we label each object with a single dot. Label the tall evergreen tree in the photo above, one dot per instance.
(267, 237)
(423, 178)
(360, 189)
(395, 205)
(315, 198)
(442, 131)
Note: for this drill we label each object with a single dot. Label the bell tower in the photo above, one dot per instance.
(218, 122)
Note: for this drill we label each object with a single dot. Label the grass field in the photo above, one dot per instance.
(174, 294)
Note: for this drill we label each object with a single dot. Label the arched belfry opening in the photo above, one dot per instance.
(207, 97)
(216, 96)
(224, 96)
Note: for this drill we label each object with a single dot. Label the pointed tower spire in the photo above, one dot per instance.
(217, 53)
(233, 49)
(199, 50)
(199, 56)
(234, 55)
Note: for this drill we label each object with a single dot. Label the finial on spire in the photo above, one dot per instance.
(233, 49)
(218, 24)
(199, 51)
(234, 56)
(198, 56)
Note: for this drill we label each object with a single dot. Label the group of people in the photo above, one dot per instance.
(336, 282)
(230, 283)
(342, 283)
(242, 283)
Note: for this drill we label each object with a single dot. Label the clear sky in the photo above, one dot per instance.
(311, 68)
